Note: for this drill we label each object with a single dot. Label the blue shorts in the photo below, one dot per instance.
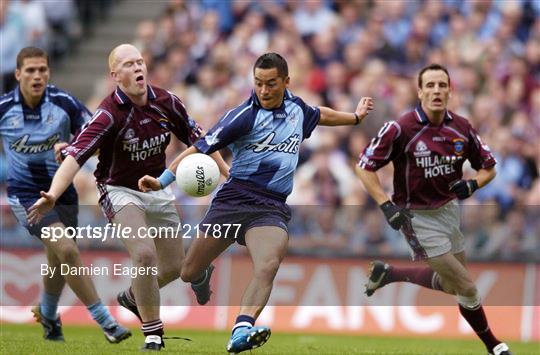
(65, 210)
(244, 203)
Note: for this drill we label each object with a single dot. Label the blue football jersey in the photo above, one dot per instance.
(264, 143)
(29, 135)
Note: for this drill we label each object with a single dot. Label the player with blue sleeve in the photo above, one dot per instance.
(264, 143)
(264, 134)
(36, 122)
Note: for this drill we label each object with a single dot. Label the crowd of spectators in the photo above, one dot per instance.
(54, 25)
(339, 51)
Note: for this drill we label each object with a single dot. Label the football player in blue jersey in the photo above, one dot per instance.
(36, 121)
(264, 134)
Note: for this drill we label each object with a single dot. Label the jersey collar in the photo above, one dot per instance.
(17, 94)
(18, 98)
(286, 96)
(423, 118)
(122, 98)
(31, 114)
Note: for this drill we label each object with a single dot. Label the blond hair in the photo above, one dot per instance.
(113, 59)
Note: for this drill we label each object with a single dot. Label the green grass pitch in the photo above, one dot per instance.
(26, 339)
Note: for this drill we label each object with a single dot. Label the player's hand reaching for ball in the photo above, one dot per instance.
(39, 209)
(395, 215)
(149, 183)
(364, 106)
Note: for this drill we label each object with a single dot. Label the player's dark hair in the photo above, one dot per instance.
(272, 60)
(31, 52)
(433, 66)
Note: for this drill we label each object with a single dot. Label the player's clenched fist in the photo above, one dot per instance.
(396, 216)
(149, 183)
(463, 188)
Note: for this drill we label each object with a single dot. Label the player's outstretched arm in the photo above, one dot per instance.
(372, 184)
(149, 183)
(178, 159)
(61, 181)
(222, 165)
(484, 176)
(330, 117)
(395, 215)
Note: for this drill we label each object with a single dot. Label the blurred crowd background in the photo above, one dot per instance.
(54, 25)
(339, 51)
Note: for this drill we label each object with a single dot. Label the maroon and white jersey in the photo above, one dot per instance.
(426, 158)
(132, 139)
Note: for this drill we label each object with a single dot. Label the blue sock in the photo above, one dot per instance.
(101, 315)
(48, 305)
(243, 321)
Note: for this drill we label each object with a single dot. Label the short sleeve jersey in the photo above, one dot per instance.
(264, 143)
(29, 135)
(132, 139)
(426, 158)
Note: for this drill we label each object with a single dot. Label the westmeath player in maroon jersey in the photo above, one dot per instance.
(131, 128)
(428, 147)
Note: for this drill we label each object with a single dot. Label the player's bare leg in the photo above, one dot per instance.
(197, 267)
(143, 254)
(66, 252)
(446, 273)
(145, 286)
(267, 246)
(170, 257)
(455, 279)
(170, 252)
(200, 254)
(55, 284)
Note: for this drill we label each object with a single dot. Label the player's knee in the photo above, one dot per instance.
(449, 290)
(145, 257)
(267, 269)
(467, 289)
(69, 254)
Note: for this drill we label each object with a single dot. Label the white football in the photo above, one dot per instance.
(197, 175)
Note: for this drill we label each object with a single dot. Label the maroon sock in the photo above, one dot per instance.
(154, 327)
(478, 321)
(423, 276)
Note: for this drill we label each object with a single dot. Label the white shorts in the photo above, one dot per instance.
(434, 232)
(158, 205)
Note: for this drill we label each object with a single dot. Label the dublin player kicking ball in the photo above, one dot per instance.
(264, 134)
